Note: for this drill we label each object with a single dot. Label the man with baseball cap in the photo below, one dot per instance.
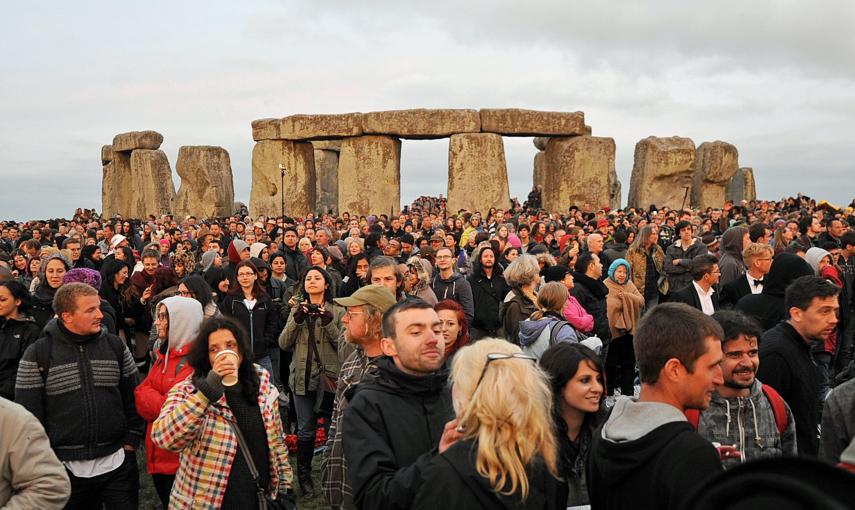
(363, 328)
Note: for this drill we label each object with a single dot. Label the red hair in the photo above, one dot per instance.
(463, 335)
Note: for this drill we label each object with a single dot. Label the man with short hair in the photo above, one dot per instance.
(646, 455)
(384, 271)
(489, 289)
(679, 255)
(393, 423)
(743, 411)
(363, 323)
(595, 245)
(449, 284)
(785, 352)
(833, 232)
(810, 228)
(760, 233)
(296, 261)
(72, 244)
(79, 381)
(591, 292)
(758, 260)
(701, 294)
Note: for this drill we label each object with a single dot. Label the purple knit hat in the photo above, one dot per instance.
(83, 275)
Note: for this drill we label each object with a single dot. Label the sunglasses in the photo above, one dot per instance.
(496, 356)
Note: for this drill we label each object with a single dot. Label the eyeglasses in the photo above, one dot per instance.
(496, 356)
(351, 314)
(245, 275)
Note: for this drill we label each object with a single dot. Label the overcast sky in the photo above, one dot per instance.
(775, 79)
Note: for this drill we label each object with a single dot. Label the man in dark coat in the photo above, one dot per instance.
(701, 292)
(395, 420)
(489, 289)
(768, 308)
(591, 292)
(786, 363)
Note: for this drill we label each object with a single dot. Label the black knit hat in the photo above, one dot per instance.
(555, 273)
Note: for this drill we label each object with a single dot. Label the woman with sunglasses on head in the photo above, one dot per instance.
(500, 451)
(576, 377)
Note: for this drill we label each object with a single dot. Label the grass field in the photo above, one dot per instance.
(149, 501)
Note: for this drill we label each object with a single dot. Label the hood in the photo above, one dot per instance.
(530, 330)
(720, 401)
(731, 241)
(786, 267)
(255, 249)
(185, 317)
(453, 278)
(235, 247)
(208, 259)
(615, 265)
(813, 256)
(634, 433)
(390, 379)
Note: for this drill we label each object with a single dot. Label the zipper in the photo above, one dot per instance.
(88, 407)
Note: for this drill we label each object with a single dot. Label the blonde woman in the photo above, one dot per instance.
(505, 453)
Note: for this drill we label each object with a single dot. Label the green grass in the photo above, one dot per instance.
(149, 500)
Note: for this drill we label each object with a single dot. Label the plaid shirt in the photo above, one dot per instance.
(199, 429)
(333, 467)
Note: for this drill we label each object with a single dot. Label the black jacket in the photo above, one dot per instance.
(295, 263)
(451, 482)
(591, 294)
(767, 308)
(260, 322)
(391, 429)
(786, 364)
(515, 308)
(734, 291)
(660, 470)
(457, 288)
(689, 296)
(487, 296)
(15, 337)
(42, 310)
(86, 403)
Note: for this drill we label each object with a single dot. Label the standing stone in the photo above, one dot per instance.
(106, 154)
(326, 177)
(741, 186)
(266, 194)
(662, 172)
(477, 172)
(579, 170)
(715, 164)
(421, 123)
(132, 140)
(516, 122)
(116, 186)
(539, 178)
(152, 190)
(207, 190)
(327, 145)
(615, 194)
(108, 190)
(369, 175)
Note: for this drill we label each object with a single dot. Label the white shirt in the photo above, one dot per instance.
(706, 299)
(95, 467)
(755, 289)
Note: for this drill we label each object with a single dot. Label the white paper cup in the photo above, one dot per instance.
(229, 380)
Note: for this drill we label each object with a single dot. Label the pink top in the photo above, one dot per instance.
(577, 316)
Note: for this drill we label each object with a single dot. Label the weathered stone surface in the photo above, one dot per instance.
(369, 175)
(662, 172)
(327, 145)
(320, 127)
(265, 129)
(540, 142)
(266, 194)
(326, 177)
(615, 194)
(715, 164)
(579, 170)
(207, 189)
(477, 172)
(108, 190)
(152, 190)
(539, 177)
(741, 186)
(106, 154)
(124, 142)
(421, 123)
(116, 185)
(516, 122)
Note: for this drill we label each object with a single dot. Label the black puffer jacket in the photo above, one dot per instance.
(260, 322)
(591, 294)
(15, 336)
(768, 307)
(391, 429)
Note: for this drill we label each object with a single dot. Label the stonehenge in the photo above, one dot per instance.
(136, 178)
(352, 162)
(207, 188)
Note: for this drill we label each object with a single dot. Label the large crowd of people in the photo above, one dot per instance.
(519, 358)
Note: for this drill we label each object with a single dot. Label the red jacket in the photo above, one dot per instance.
(150, 396)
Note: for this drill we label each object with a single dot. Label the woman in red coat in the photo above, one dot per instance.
(177, 320)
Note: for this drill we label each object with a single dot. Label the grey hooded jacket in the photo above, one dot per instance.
(748, 423)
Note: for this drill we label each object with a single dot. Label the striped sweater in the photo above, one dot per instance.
(86, 404)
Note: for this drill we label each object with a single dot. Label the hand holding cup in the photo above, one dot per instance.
(226, 363)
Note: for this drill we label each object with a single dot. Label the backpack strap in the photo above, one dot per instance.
(779, 408)
(43, 350)
(556, 328)
(693, 416)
